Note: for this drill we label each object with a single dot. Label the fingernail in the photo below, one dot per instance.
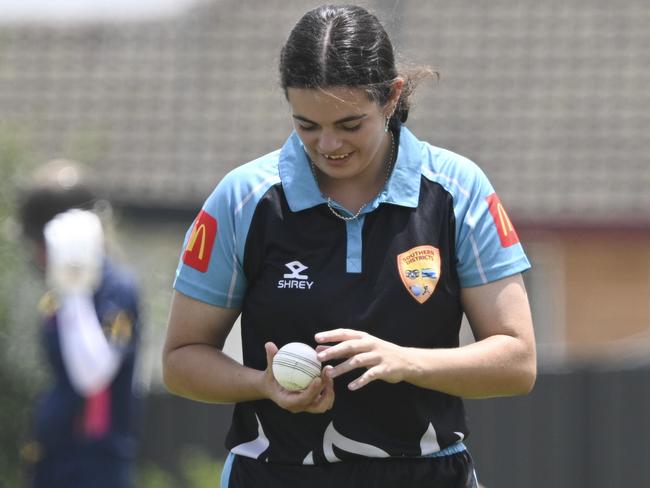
(319, 337)
(321, 356)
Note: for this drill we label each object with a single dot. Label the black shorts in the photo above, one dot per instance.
(452, 471)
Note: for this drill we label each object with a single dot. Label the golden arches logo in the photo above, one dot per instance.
(195, 235)
(507, 233)
(504, 220)
(201, 240)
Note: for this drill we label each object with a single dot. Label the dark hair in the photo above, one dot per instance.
(58, 186)
(343, 45)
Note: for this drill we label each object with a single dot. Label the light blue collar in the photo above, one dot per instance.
(302, 191)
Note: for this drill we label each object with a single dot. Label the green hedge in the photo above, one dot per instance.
(17, 394)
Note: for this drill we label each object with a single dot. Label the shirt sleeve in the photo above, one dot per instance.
(90, 361)
(487, 244)
(210, 265)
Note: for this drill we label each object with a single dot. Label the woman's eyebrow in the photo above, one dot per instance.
(351, 118)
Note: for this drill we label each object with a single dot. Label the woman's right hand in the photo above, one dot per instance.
(318, 397)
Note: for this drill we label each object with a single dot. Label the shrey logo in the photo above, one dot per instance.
(199, 246)
(507, 233)
(419, 269)
(296, 267)
(295, 279)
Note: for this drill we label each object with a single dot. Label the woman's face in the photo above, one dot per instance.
(342, 130)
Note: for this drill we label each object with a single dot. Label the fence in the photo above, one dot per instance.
(579, 428)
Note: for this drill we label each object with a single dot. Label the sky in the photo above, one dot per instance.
(87, 10)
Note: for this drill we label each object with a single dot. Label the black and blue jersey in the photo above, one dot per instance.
(266, 242)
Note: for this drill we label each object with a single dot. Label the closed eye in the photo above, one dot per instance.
(346, 128)
(348, 124)
(351, 128)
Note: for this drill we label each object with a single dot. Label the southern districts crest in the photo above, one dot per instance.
(419, 269)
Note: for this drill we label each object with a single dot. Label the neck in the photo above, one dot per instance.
(354, 193)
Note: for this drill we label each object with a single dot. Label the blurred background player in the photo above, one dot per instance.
(84, 424)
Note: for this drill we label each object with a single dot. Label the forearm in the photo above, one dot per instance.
(90, 361)
(499, 365)
(204, 373)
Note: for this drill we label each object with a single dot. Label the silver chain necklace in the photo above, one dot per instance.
(389, 168)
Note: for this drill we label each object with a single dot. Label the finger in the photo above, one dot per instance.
(324, 403)
(325, 399)
(328, 393)
(300, 401)
(362, 360)
(326, 376)
(338, 335)
(313, 389)
(322, 348)
(344, 349)
(372, 374)
(271, 350)
(307, 395)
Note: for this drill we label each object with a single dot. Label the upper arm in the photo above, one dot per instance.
(499, 307)
(194, 322)
(487, 246)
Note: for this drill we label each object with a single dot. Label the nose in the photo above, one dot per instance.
(328, 142)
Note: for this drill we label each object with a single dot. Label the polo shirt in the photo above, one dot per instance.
(266, 242)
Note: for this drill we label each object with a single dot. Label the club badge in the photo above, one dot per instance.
(120, 330)
(419, 269)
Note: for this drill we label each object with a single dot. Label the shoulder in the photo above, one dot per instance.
(119, 286)
(245, 181)
(117, 304)
(459, 175)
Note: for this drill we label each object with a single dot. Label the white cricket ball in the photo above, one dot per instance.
(295, 366)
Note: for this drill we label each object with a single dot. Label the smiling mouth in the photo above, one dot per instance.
(336, 157)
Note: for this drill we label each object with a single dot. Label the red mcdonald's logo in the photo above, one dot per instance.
(507, 233)
(199, 246)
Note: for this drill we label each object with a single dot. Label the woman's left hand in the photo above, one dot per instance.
(383, 360)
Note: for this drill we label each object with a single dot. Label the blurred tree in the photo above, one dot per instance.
(196, 469)
(200, 470)
(17, 394)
